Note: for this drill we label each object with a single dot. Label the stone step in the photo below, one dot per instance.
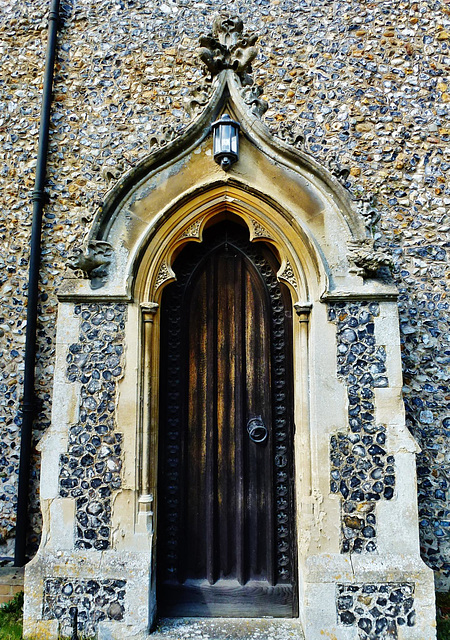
(227, 629)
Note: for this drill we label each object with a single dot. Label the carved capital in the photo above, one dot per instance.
(303, 311)
(149, 310)
(146, 503)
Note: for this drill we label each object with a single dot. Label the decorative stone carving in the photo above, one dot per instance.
(164, 273)
(93, 261)
(368, 210)
(165, 134)
(258, 231)
(287, 274)
(366, 259)
(339, 171)
(290, 133)
(198, 97)
(112, 173)
(193, 230)
(364, 256)
(227, 47)
(250, 95)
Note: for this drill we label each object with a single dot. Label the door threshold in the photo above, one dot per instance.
(227, 629)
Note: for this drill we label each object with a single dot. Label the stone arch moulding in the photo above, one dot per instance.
(299, 266)
(355, 491)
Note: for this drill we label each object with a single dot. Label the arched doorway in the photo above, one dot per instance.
(226, 493)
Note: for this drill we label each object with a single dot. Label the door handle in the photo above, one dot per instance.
(257, 430)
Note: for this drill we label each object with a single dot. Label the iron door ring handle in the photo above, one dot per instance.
(257, 430)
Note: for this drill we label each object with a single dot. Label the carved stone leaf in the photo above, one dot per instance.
(164, 274)
(227, 47)
(288, 275)
(258, 230)
(251, 97)
(193, 230)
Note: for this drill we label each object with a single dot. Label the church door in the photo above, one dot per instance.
(226, 536)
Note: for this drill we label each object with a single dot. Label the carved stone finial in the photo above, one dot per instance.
(365, 259)
(227, 47)
(92, 261)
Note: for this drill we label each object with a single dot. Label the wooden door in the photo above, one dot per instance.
(225, 516)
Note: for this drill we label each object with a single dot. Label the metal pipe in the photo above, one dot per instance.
(39, 198)
(74, 616)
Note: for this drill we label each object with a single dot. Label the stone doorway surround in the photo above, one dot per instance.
(359, 567)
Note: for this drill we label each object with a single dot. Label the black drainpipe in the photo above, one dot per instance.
(39, 199)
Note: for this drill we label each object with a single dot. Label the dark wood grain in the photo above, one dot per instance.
(226, 514)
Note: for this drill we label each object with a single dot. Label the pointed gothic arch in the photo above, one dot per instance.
(342, 402)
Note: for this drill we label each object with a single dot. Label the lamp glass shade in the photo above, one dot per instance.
(225, 140)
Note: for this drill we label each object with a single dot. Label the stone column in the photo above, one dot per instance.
(302, 402)
(149, 310)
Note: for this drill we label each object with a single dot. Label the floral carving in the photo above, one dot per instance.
(198, 97)
(164, 273)
(227, 47)
(193, 230)
(258, 230)
(290, 133)
(165, 134)
(250, 95)
(287, 274)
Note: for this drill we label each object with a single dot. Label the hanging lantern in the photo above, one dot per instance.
(225, 141)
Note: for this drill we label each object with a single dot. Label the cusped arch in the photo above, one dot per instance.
(302, 268)
(169, 196)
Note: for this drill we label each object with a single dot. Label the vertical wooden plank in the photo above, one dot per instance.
(241, 418)
(253, 410)
(226, 485)
(259, 403)
(210, 409)
(226, 413)
(196, 430)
